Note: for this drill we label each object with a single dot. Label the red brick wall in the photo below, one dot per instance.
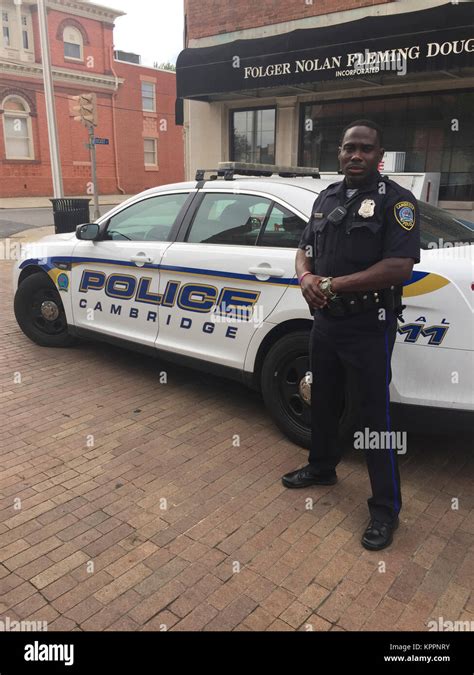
(132, 123)
(206, 17)
(33, 178)
(97, 44)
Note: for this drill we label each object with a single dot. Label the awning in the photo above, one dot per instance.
(436, 39)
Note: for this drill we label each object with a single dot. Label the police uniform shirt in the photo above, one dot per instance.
(382, 221)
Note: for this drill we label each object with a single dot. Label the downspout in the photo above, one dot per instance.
(114, 128)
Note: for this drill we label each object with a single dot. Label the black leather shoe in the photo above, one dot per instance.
(378, 534)
(305, 477)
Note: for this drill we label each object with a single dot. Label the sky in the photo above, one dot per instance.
(151, 28)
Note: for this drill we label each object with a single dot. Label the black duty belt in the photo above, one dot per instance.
(347, 304)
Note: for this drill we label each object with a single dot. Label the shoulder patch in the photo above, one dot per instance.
(405, 215)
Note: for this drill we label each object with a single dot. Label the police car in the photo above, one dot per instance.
(203, 273)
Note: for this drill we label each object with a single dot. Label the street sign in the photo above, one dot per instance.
(101, 141)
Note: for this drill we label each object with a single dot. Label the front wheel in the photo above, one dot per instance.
(285, 390)
(40, 313)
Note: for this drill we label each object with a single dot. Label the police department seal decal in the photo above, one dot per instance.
(405, 215)
(63, 282)
(367, 208)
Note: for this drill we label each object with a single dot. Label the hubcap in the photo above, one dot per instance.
(291, 373)
(294, 380)
(49, 310)
(305, 389)
(47, 313)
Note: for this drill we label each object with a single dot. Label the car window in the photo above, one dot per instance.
(283, 229)
(439, 227)
(228, 219)
(148, 220)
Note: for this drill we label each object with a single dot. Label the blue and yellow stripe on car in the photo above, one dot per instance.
(422, 283)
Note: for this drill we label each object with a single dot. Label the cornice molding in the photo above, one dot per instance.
(89, 11)
(35, 70)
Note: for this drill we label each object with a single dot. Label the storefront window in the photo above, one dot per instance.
(436, 132)
(253, 135)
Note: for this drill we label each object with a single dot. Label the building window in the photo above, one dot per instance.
(148, 97)
(24, 27)
(73, 44)
(17, 128)
(253, 135)
(5, 29)
(418, 125)
(151, 152)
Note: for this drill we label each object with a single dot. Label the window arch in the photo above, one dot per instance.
(73, 43)
(17, 128)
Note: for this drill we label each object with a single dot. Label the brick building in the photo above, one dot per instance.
(136, 105)
(276, 81)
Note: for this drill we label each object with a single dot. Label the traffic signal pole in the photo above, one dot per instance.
(50, 107)
(86, 113)
(94, 172)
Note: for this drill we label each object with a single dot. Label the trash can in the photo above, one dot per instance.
(69, 213)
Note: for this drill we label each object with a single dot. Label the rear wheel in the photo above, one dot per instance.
(286, 391)
(40, 313)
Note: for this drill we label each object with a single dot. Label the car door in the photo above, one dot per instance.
(116, 280)
(229, 272)
(434, 344)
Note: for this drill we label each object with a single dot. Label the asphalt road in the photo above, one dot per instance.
(13, 221)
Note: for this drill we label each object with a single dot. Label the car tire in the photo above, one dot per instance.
(45, 324)
(285, 364)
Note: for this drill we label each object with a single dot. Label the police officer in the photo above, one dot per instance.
(357, 250)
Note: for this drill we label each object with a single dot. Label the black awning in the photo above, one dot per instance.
(436, 39)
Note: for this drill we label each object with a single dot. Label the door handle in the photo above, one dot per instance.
(267, 271)
(141, 258)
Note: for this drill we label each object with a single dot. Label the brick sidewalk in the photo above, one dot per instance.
(168, 511)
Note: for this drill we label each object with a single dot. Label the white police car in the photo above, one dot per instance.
(203, 273)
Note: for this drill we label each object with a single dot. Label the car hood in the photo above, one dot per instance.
(65, 236)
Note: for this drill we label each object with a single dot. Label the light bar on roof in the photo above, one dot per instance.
(228, 169)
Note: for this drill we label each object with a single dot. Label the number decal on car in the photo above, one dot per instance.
(412, 332)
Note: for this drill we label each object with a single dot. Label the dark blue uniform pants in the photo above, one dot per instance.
(359, 347)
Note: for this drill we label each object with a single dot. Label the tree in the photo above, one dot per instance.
(165, 66)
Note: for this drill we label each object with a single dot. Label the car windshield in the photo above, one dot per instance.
(437, 224)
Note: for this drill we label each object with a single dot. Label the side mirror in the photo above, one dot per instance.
(88, 232)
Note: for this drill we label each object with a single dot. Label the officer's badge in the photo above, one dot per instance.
(405, 215)
(367, 208)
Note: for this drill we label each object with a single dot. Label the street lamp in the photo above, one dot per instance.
(49, 97)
